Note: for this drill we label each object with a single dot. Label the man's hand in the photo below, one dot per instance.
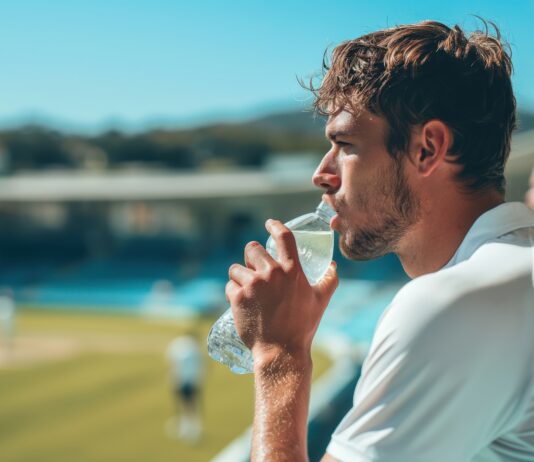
(273, 304)
(277, 313)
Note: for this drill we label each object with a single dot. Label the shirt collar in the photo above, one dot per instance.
(492, 224)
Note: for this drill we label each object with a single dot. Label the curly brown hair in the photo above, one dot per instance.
(413, 73)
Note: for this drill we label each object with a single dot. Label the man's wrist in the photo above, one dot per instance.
(277, 359)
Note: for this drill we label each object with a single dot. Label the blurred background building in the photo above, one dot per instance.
(80, 233)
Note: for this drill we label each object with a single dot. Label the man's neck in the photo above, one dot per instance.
(433, 241)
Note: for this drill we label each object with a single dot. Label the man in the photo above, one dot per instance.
(420, 120)
(187, 376)
(7, 321)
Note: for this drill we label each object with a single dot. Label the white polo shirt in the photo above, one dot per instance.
(450, 373)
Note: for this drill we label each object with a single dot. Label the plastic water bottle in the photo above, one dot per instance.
(315, 244)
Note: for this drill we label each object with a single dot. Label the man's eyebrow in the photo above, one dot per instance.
(332, 135)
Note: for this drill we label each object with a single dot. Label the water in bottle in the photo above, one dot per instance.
(315, 245)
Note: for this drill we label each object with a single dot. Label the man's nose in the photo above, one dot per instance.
(326, 175)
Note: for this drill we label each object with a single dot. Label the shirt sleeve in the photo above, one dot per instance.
(431, 388)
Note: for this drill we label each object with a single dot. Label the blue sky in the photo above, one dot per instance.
(93, 63)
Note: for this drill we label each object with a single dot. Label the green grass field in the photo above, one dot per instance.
(90, 387)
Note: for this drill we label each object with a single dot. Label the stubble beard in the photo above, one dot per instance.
(395, 208)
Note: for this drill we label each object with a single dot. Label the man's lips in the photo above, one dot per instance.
(328, 199)
(334, 220)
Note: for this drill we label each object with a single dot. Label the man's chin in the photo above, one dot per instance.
(350, 254)
(362, 250)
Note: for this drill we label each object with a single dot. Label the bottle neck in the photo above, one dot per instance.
(325, 212)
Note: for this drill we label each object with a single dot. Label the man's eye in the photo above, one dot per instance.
(342, 143)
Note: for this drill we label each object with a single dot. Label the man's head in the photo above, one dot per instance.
(443, 102)
(415, 73)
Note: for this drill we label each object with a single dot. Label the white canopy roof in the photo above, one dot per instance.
(108, 186)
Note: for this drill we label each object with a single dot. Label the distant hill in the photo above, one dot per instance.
(296, 122)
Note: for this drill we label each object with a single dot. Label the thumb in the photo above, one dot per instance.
(329, 282)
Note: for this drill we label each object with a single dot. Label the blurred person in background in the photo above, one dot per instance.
(529, 196)
(420, 119)
(7, 320)
(187, 377)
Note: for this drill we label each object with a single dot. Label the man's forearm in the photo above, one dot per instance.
(282, 383)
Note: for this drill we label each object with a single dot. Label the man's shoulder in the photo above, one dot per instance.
(483, 291)
(435, 293)
(495, 264)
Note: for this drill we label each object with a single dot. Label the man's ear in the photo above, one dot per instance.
(435, 140)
